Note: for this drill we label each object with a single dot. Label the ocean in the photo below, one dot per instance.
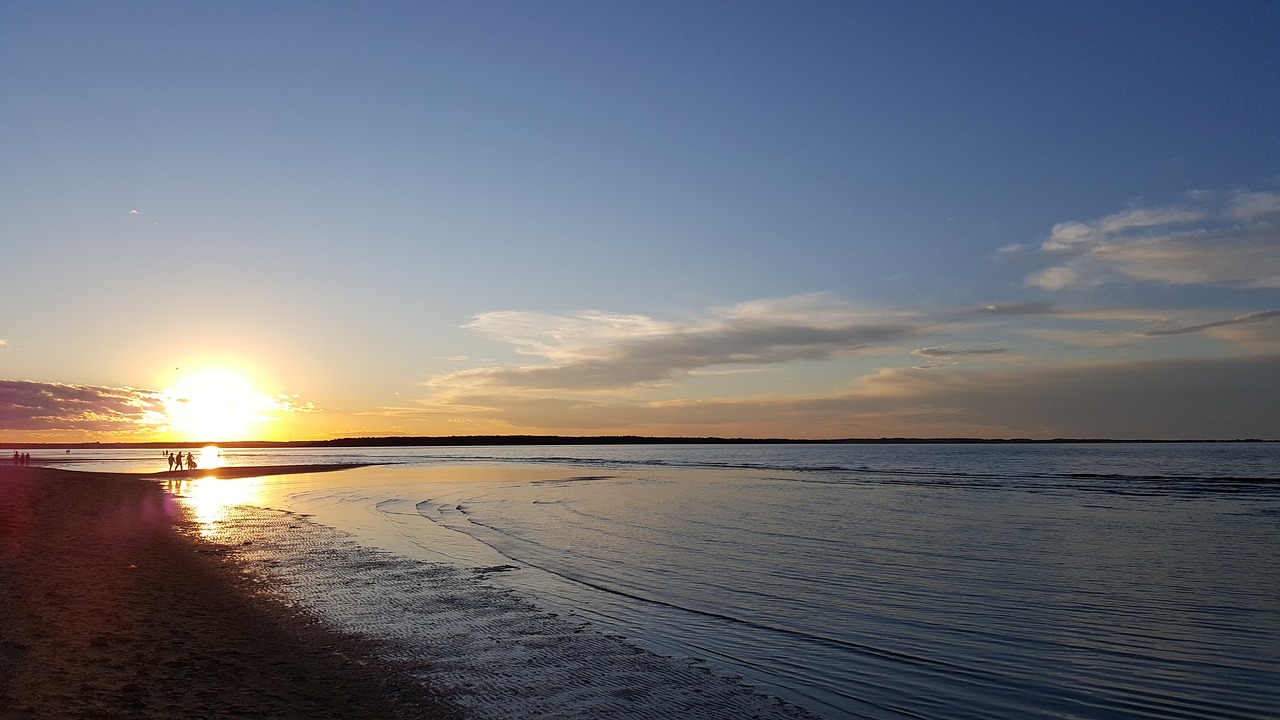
(1107, 580)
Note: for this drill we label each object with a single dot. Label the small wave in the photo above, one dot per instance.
(574, 479)
(487, 647)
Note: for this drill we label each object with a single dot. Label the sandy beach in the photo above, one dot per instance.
(112, 607)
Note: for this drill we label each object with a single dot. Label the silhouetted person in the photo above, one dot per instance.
(191, 462)
(170, 462)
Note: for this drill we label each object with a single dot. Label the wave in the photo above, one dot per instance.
(1142, 483)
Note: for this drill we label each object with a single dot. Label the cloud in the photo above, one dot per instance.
(1026, 308)
(946, 353)
(1250, 318)
(1174, 398)
(28, 405)
(1207, 398)
(1230, 239)
(1055, 278)
(290, 404)
(597, 351)
(566, 336)
(37, 407)
(1149, 217)
(608, 354)
(1121, 327)
(1248, 207)
(590, 365)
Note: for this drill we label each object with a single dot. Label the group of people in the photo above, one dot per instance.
(21, 458)
(177, 462)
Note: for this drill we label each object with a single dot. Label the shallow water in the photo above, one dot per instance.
(1099, 581)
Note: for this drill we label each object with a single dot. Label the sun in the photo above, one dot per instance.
(216, 404)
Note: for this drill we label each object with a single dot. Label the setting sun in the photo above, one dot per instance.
(216, 404)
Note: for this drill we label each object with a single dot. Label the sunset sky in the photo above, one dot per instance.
(304, 220)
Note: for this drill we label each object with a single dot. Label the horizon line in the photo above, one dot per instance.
(525, 439)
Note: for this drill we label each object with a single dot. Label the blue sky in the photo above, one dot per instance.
(798, 219)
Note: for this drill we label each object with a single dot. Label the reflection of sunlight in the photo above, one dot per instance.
(210, 457)
(210, 498)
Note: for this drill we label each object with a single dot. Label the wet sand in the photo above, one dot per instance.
(112, 607)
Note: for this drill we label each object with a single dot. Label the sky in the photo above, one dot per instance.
(307, 220)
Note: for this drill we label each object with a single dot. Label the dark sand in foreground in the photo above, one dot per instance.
(111, 607)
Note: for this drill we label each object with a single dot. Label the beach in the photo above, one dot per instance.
(710, 582)
(111, 607)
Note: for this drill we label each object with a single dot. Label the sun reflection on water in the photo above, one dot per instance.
(210, 457)
(209, 499)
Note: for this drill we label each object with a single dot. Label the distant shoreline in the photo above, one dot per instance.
(552, 440)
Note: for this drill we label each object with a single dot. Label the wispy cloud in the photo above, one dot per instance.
(1185, 398)
(28, 405)
(1025, 308)
(1115, 327)
(946, 353)
(1173, 398)
(1248, 207)
(596, 350)
(597, 355)
(1230, 239)
(1250, 318)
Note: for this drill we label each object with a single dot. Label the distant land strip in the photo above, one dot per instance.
(505, 440)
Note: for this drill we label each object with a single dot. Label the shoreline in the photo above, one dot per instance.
(243, 471)
(112, 606)
(226, 472)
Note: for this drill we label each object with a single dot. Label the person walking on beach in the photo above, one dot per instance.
(191, 462)
(170, 462)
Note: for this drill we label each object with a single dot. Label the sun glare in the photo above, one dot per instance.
(210, 457)
(216, 404)
(211, 498)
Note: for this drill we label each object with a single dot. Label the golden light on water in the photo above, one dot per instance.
(210, 499)
(216, 404)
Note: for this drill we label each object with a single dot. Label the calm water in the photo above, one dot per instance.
(880, 581)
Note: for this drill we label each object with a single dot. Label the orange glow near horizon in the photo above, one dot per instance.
(216, 404)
